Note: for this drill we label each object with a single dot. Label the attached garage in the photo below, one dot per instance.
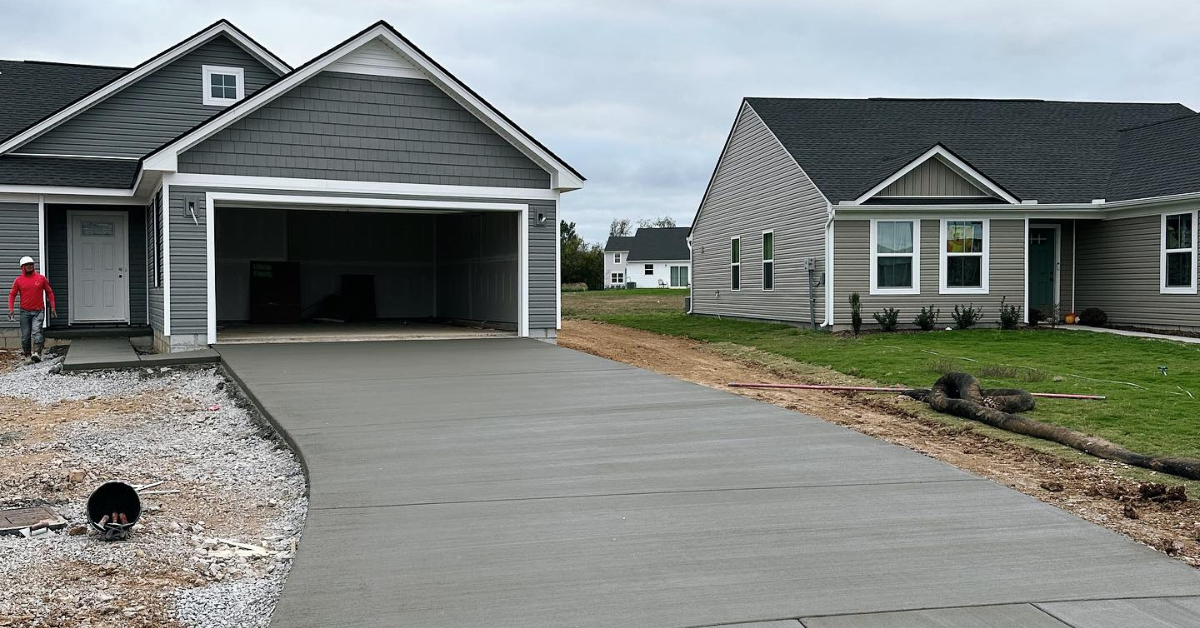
(346, 269)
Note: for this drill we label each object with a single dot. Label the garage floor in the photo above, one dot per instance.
(512, 483)
(352, 332)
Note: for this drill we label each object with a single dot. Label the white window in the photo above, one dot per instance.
(768, 260)
(679, 276)
(1178, 265)
(735, 263)
(895, 257)
(223, 86)
(964, 257)
(649, 269)
(616, 258)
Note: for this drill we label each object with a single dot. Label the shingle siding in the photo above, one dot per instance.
(152, 111)
(757, 187)
(59, 257)
(366, 128)
(1119, 266)
(852, 264)
(18, 238)
(189, 273)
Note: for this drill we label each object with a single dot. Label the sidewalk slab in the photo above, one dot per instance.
(1143, 613)
(1009, 616)
(91, 354)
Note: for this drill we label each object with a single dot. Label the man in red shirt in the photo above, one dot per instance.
(31, 285)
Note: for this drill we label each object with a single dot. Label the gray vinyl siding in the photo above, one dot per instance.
(155, 304)
(154, 110)
(1119, 266)
(852, 267)
(188, 259)
(59, 258)
(757, 186)
(18, 238)
(932, 178)
(366, 128)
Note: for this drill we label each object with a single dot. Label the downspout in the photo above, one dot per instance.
(1074, 260)
(828, 322)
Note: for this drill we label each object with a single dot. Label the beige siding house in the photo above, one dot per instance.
(1053, 207)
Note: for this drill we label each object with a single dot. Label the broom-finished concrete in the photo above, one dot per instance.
(512, 483)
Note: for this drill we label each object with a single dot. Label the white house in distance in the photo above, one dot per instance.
(651, 258)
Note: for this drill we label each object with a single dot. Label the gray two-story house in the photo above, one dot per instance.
(1054, 207)
(216, 189)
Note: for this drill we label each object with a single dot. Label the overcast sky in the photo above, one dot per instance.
(639, 95)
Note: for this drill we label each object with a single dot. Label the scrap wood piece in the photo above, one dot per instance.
(254, 549)
(959, 394)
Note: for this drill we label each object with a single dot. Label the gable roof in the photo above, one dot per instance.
(660, 244)
(563, 176)
(1157, 160)
(618, 243)
(35, 89)
(118, 82)
(1048, 151)
(952, 162)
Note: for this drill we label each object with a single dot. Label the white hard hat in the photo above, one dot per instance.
(26, 260)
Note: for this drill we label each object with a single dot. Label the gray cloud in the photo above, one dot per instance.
(639, 95)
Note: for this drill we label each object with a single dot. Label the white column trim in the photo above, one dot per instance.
(166, 257)
(43, 266)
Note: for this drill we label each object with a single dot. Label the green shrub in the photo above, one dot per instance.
(889, 319)
(1010, 315)
(927, 319)
(966, 317)
(574, 287)
(1037, 316)
(1093, 317)
(855, 312)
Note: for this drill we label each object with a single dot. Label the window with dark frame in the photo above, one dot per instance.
(649, 269)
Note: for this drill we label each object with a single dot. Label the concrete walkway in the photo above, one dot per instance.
(90, 354)
(1134, 334)
(511, 483)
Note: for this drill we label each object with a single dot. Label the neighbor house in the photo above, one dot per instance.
(214, 189)
(653, 257)
(1053, 207)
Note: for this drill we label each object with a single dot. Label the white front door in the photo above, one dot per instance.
(99, 281)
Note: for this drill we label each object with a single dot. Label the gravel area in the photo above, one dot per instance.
(216, 539)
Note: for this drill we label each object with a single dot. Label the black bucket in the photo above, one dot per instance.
(114, 497)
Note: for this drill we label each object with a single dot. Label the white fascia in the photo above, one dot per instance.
(166, 159)
(136, 74)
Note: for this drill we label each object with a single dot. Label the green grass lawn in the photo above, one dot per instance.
(1157, 416)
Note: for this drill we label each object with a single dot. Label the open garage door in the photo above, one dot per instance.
(304, 273)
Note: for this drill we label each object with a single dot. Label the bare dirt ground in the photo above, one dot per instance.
(1093, 489)
(225, 478)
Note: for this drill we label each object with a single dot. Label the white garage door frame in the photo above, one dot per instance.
(212, 200)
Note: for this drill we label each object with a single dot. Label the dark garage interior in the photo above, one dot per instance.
(300, 274)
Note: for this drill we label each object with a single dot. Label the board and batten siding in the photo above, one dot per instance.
(155, 303)
(355, 127)
(18, 238)
(932, 179)
(189, 287)
(756, 187)
(1119, 265)
(58, 226)
(152, 111)
(852, 267)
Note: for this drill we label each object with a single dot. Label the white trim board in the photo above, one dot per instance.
(343, 186)
(562, 178)
(149, 67)
(960, 167)
(236, 200)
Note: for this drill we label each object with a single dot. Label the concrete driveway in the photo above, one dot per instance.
(511, 483)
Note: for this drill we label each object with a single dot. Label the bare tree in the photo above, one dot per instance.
(620, 227)
(656, 223)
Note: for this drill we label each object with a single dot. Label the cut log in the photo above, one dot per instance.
(959, 394)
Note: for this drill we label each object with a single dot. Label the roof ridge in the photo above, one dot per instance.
(968, 99)
(68, 64)
(1148, 124)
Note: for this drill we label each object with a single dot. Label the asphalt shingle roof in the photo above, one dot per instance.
(660, 244)
(618, 243)
(1157, 160)
(1049, 151)
(88, 173)
(32, 90)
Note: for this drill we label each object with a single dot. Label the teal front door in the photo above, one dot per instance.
(1042, 261)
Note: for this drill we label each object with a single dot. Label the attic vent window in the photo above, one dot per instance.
(223, 86)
